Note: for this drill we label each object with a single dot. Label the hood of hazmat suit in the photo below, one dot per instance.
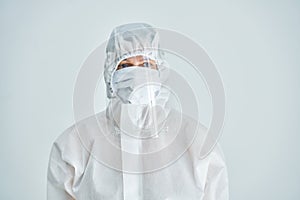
(139, 148)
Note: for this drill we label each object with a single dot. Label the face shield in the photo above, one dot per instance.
(140, 100)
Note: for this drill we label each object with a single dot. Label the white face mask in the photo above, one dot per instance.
(136, 85)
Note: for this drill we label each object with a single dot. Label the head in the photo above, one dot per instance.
(135, 44)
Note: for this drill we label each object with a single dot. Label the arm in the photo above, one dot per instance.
(60, 176)
(216, 186)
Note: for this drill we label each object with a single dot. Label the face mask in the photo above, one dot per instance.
(136, 85)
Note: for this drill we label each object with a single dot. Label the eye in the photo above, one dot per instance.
(147, 64)
(124, 65)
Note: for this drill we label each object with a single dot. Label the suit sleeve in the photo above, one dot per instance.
(216, 184)
(60, 176)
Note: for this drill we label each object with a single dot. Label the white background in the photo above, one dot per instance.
(254, 44)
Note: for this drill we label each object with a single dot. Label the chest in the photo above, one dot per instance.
(176, 181)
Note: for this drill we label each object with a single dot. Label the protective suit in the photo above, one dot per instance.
(139, 148)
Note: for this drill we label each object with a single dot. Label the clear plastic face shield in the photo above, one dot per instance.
(139, 108)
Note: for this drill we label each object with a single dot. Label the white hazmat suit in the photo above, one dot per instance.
(139, 148)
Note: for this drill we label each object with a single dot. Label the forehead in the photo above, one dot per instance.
(137, 58)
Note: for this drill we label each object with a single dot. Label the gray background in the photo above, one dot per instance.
(254, 44)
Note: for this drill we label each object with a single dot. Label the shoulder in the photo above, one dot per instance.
(204, 144)
(83, 131)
